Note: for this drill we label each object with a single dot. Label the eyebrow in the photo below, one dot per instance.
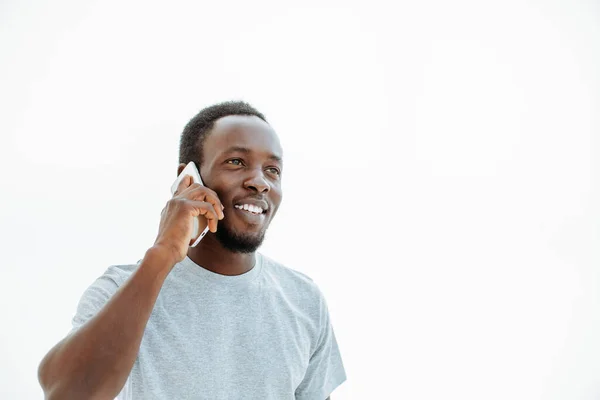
(245, 150)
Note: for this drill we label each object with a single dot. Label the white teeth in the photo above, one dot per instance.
(250, 208)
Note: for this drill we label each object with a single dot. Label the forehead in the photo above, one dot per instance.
(249, 132)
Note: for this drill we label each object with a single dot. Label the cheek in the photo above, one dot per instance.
(221, 194)
(276, 198)
(276, 193)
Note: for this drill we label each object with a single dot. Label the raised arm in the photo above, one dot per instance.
(95, 361)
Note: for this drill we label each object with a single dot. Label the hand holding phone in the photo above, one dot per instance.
(193, 210)
(200, 223)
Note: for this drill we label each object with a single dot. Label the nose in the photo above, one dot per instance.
(257, 183)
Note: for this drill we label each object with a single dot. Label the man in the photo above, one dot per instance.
(215, 321)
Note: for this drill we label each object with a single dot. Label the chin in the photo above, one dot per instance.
(239, 241)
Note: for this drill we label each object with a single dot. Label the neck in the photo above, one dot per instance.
(211, 255)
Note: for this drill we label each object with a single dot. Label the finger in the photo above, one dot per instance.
(203, 193)
(184, 184)
(208, 211)
(212, 225)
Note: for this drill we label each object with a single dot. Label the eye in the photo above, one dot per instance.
(274, 170)
(235, 161)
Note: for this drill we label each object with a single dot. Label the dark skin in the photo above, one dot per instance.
(242, 160)
(95, 361)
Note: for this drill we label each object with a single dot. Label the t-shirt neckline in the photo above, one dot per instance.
(227, 280)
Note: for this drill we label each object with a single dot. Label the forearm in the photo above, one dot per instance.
(95, 361)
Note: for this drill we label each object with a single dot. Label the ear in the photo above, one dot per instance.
(180, 168)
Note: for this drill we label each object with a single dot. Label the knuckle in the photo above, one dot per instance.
(209, 191)
(180, 203)
(177, 201)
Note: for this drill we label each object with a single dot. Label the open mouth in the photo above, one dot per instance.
(251, 209)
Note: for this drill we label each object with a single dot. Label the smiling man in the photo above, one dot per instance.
(215, 321)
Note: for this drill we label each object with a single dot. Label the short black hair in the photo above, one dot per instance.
(194, 133)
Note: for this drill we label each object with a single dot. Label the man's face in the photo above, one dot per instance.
(243, 164)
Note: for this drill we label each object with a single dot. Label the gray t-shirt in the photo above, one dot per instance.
(265, 334)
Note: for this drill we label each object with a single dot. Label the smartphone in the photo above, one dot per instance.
(200, 223)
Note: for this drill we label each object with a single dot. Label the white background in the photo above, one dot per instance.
(441, 174)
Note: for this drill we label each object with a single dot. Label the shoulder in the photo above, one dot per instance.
(99, 292)
(273, 267)
(118, 274)
(291, 280)
(112, 278)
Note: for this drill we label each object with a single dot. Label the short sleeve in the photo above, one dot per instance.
(95, 297)
(325, 370)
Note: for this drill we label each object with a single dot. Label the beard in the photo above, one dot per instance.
(238, 242)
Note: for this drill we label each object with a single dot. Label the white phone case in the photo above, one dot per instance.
(191, 170)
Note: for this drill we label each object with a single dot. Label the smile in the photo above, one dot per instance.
(252, 209)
